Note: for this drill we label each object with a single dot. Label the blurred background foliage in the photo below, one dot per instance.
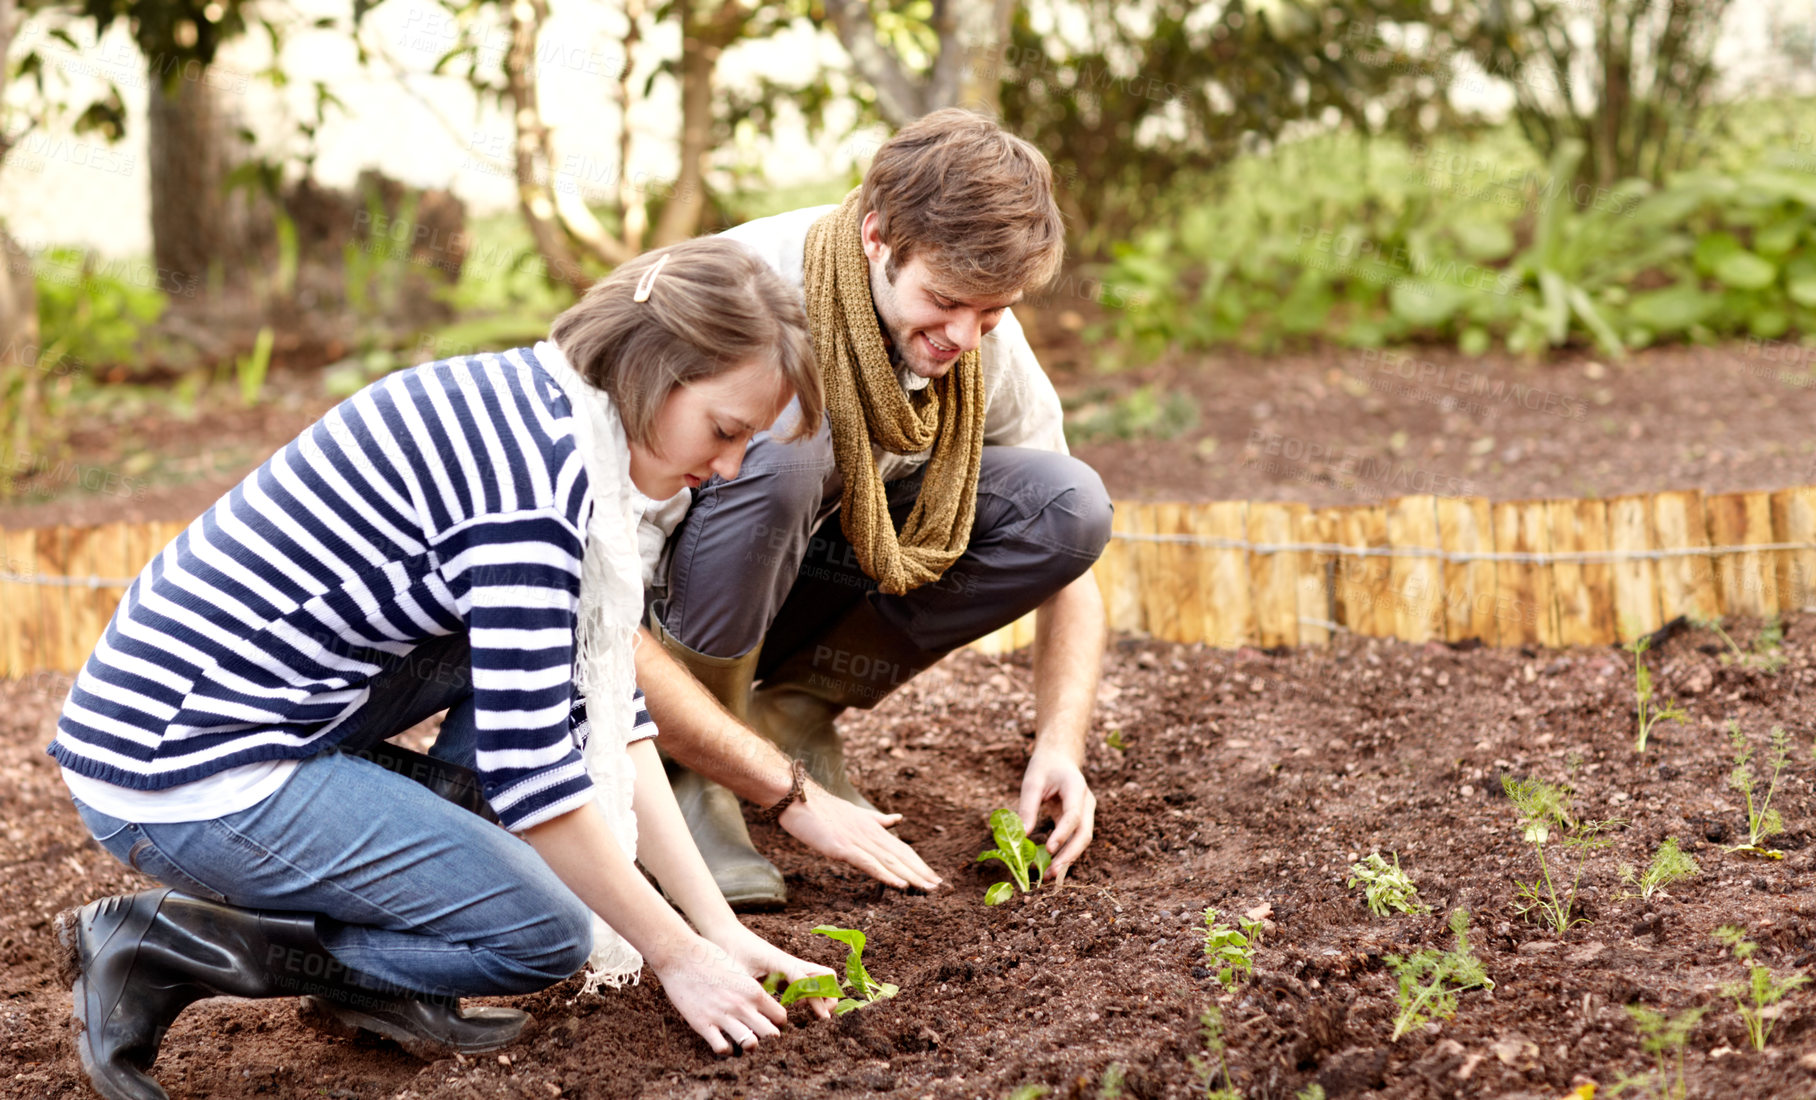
(1260, 174)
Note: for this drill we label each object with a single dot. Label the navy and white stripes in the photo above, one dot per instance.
(443, 498)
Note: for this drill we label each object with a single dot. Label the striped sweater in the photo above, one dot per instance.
(443, 498)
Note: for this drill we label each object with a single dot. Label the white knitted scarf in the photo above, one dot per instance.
(611, 607)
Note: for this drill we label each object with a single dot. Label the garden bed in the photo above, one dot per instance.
(1248, 782)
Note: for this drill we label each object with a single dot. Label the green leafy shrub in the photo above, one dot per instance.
(1231, 950)
(1468, 241)
(1544, 809)
(1756, 996)
(1643, 691)
(1664, 1038)
(1385, 887)
(94, 311)
(865, 990)
(1429, 980)
(1026, 860)
(1670, 864)
(1763, 820)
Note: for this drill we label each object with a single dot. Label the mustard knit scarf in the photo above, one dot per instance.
(866, 404)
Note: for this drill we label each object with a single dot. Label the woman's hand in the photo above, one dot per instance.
(759, 957)
(718, 997)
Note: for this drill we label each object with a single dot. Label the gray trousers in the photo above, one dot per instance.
(762, 559)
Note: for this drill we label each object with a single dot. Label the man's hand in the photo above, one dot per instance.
(1052, 774)
(834, 827)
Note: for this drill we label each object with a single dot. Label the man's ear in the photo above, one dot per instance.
(874, 249)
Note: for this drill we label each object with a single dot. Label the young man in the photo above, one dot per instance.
(937, 504)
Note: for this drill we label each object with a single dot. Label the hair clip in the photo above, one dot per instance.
(648, 281)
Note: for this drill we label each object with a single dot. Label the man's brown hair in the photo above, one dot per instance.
(973, 200)
(713, 307)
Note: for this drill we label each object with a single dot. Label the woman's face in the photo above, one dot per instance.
(702, 429)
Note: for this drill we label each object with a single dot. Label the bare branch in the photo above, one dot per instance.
(557, 221)
(896, 96)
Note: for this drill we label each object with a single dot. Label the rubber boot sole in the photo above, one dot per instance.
(345, 1022)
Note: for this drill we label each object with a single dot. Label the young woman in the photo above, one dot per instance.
(458, 536)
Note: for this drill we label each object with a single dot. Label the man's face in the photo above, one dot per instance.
(927, 324)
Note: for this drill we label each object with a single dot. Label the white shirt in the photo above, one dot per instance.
(1021, 408)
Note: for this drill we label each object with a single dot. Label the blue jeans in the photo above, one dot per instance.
(415, 891)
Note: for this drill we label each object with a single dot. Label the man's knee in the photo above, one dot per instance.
(1077, 520)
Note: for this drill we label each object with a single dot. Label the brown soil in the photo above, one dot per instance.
(1248, 780)
(1335, 427)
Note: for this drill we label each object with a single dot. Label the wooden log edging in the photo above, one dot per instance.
(1233, 573)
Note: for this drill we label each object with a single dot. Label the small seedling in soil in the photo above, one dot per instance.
(1671, 864)
(865, 989)
(1430, 980)
(1026, 860)
(1109, 1086)
(1115, 741)
(1313, 1091)
(1649, 716)
(1757, 996)
(1211, 1021)
(1762, 820)
(1664, 1038)
(1544, 809)
(1765, 654)
(1385, 887)
(1230, 949)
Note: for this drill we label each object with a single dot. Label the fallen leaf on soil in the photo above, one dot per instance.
(1261, 912)
(1515, 1048)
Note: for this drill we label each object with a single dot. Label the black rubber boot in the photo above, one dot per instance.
(135, 961)
(713, 815)
(858, 661)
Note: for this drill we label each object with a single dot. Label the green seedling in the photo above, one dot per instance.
(1670, 864)
(1029, 1092)
(1232, 950)
(1762, 820)
(1757, 996)
(1115, 741)
(1544, 809)
(1664, 1038)
(1109, 1086)
(1313, 1091)
(1430, 980)
(1649, 715)
(817, 985)
(1765, 654)
(865, 989)
(1026, 860)
(1211, 1029)
(1384, 887)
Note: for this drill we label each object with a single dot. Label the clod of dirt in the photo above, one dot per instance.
(1353, 1069)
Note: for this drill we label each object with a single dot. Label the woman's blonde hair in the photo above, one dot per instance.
(713, 306)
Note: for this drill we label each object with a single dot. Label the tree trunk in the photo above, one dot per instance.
(558, 219)
(193, 225)
(704, 37)
(18, 290)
